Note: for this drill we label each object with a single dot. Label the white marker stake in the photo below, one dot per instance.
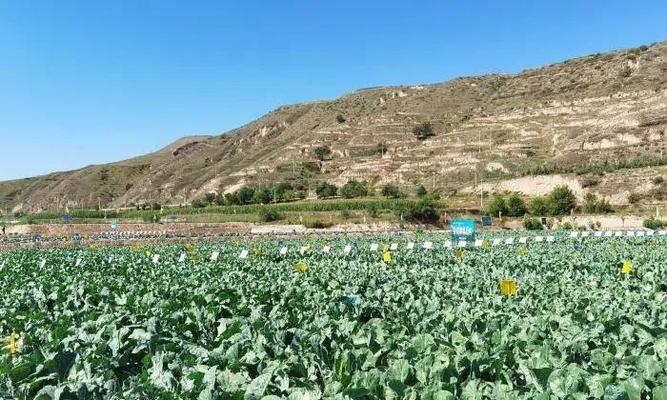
(461, 243)
(574, 234)
(609, 234)
(539, 239)
(511, 240)
(244, 254)
(42, 264)
(585, 234)
(428, 245)
(523, 240)
(411, 245)
(78, 262)
(303, 250)
(181, 258)
(496, 242)
(393, 247)
(283, 251)
(662, 232)
(478, 243)
(650, 233)
(448, 244)
(326, 249)
(598, 233)
(347, 249)
(630, 233)
(214, 255)
(618, 234)
(640, 233)
(374, 247)
(551, 239)
(3, 265)
(156, 258)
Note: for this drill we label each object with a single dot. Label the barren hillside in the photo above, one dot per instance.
(571, 119)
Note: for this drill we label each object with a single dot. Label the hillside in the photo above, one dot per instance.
(573, 119)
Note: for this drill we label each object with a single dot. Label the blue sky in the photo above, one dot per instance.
(86, 82)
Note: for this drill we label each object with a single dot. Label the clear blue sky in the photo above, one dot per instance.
(85, 82)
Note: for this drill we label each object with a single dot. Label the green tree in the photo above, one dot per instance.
(562, 200)
(532, 224)
(516, 207)
(263, 196)
(322, 152)
(496, 206)
(354, 188)
(391, 191)
(325, 190)
(423, 131)
(540, 206)
(421, 191)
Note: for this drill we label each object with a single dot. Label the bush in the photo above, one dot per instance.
(532, 224)
(269, 215)
(634, 198)
(496, 207)
(325, 190)
(391, 191)
(658, 180)
(263, 196)
(318, 224)
(539, 206)
(654, 224)
(421, 191)
(516, 207)
(566, 226)
(562, 200)
(423, 211)
(423, 131)
(354, 188)
(340, 119)
(196, 203)
(322, 152)
(594, 206)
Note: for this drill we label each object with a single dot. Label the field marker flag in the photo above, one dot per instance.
(461, 243)
(662, 232)
(244, 254)
(478, 243)
(538, 239)
(574, 234)
(618, 234)
(214, 255)
(77, 262)
(508, 287)
(551, 239)
(283, 250)
(347, 249)
(411, 245)
(640, 233)
(43, 263)
(448, 244)
(523, 240)
(600, 233)
(2, 266)
(326, 249)
(181, 258)
(428, 245)
(509, 241)
(585, 234)
(496, 242)
(630, 233)
(393, 247)
(156, 258)
(304, 249)
(650, 233)
(374, 247)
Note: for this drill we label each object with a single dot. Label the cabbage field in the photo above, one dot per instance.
(582, 318)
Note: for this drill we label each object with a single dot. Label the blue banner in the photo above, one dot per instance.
(463, 229)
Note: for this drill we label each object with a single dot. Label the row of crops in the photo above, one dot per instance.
(579, 319)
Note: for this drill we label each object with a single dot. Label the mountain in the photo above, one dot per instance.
(596, 122)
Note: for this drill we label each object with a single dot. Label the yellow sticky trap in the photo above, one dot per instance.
(627, 267)
(485, 244)
(190, 249)
(13, 347)
(148, 253)
(508, 287)
(301, 266)
(257, 252)
(386, 257)
(136, 248)
(92, 247)
(523, 251)
(458, 253)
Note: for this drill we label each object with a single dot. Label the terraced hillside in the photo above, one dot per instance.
(582, 121)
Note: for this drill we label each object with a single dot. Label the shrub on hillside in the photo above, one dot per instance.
(322, 152)
(516, 207)
(654, 224)
(562, 200)
(269, 215)
(496, 207)
(421, 191)
(354, 188)
(391, 191)
(423, 211)
(423, 131)
(532, 224)
(325, 190)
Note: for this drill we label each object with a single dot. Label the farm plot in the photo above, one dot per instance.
(588, 320)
